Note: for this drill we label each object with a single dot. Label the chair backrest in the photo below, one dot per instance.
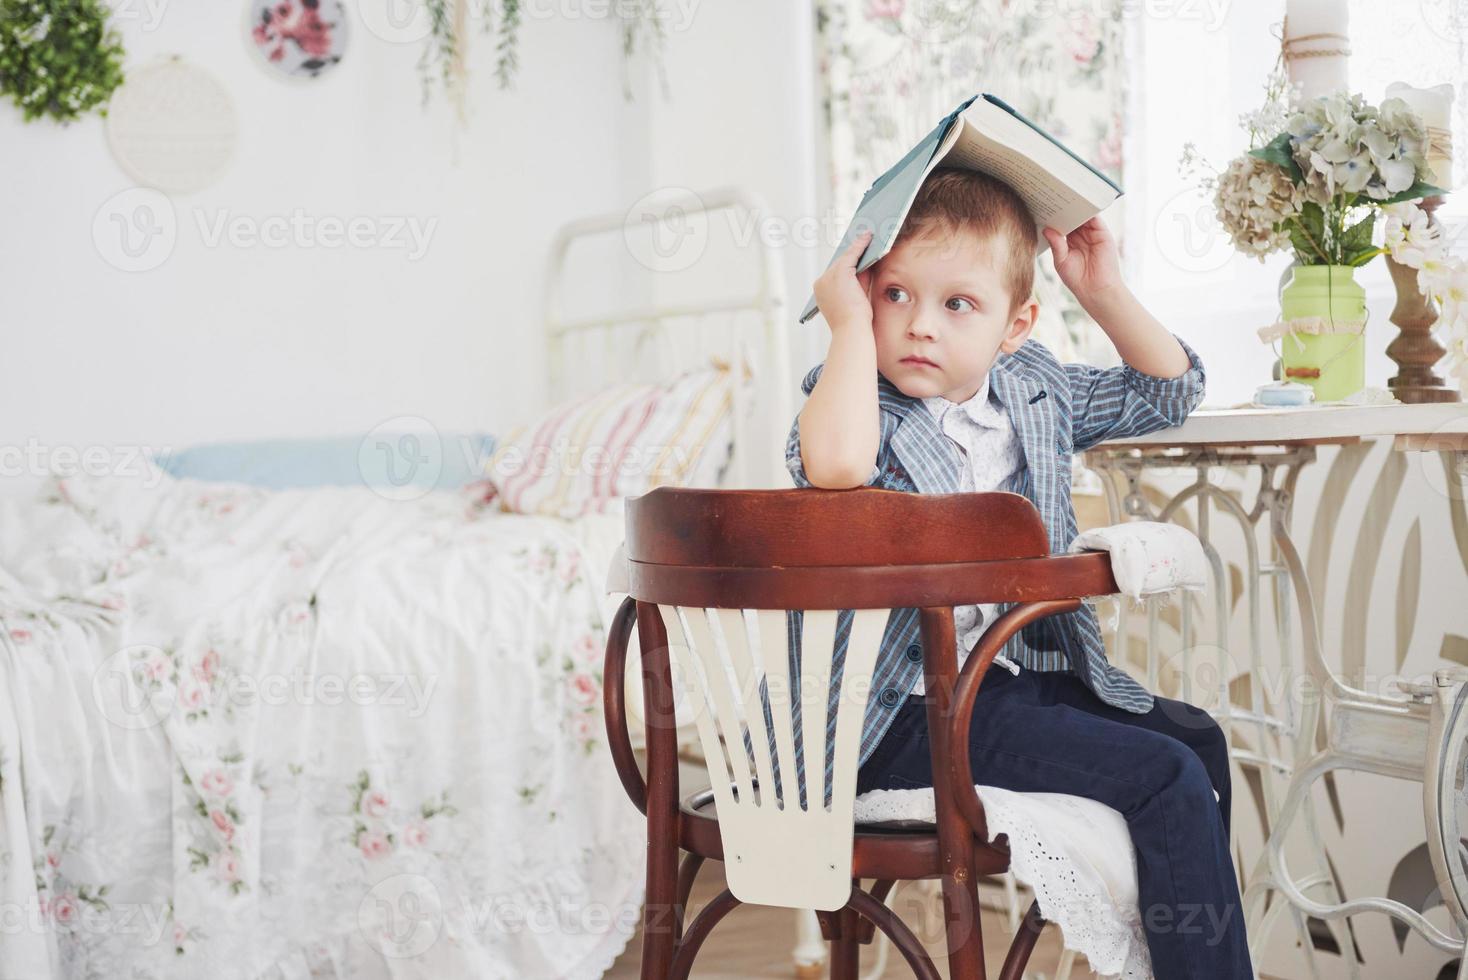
(718, 576)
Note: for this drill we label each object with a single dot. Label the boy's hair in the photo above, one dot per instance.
(952, 199)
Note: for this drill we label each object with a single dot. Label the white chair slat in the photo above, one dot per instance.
(861, 659)
(747, 674)
(716, 682)
(774, 648)
(698, 700)
(817, 643)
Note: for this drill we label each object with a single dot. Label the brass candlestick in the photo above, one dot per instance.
(1415, 350)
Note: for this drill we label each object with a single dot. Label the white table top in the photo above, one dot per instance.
(1442, 425)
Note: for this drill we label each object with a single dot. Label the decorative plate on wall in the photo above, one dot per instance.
(301, 38)
(171, 126)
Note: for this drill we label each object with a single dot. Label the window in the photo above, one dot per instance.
(1193, 75)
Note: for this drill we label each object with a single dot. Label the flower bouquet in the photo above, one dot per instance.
(1313, 181)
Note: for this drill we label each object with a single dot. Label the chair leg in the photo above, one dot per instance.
(959, 887)
(846, 946)
(963, 932)
(659, 911)
(698, 931)
(962, 928)
(880, 890)
(1023, 945)
(660, 914)
(897, 933)
(687, 873)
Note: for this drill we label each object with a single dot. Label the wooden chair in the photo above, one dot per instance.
(711, 574)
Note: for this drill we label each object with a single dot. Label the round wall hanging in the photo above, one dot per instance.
(171, 125)
(301, 38)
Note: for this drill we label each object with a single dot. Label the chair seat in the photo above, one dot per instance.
(889, 849)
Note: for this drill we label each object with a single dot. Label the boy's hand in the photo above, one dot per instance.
(1086, 260)
(842, 292)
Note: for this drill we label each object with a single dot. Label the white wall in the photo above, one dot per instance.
(230, 342)
(744, 112)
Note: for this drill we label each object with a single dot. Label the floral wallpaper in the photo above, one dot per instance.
(890, 69)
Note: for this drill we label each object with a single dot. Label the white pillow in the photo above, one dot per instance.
(586, 455)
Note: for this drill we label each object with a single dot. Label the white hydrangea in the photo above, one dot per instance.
(1252, 199)
(1345, 145)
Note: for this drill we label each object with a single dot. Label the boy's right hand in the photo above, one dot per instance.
(842, 293)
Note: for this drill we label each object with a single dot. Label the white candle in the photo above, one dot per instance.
(1435, 106)
(1323, 71)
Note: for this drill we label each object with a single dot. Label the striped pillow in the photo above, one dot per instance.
(586, 455)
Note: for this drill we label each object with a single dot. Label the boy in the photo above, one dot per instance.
(932, 385)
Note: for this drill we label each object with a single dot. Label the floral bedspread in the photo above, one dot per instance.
(304, 734)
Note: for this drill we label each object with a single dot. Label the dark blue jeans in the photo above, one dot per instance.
(1047, 732)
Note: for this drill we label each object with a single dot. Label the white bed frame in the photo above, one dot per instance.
(750, 329)
(661, 340)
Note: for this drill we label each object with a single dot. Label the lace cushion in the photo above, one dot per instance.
(1075, 853)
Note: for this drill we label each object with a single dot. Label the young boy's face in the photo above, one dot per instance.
(941, 312)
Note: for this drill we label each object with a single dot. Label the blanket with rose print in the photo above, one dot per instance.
(312, 733)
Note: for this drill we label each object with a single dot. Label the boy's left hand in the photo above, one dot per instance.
(1086, 259)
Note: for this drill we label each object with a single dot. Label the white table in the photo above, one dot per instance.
(1277, 443)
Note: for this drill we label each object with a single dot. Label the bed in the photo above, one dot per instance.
(334, 732)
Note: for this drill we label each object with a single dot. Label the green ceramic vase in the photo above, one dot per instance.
(1330, 292)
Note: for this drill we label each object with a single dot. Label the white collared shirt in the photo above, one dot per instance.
(990, 453)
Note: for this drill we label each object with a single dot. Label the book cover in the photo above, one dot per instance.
(982, 133)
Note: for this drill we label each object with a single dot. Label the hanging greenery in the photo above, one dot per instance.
(506, 63)
(58, 59)
(642, 22)
(444, 57)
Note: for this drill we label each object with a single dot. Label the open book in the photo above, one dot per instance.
(987, 134)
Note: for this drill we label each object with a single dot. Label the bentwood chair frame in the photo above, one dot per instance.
(697, 561)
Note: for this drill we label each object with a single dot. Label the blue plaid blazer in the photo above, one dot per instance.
(1057, 410)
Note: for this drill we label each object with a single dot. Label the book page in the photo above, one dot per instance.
(1036, 175)
(1043, 193)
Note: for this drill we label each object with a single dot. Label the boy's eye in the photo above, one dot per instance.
(959, 309)
(901, 294)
